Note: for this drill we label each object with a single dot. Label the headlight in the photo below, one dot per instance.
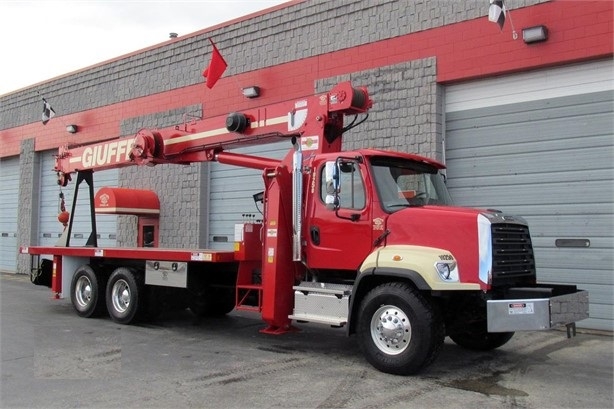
(447, 271)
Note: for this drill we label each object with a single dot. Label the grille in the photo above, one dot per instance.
(512, 252)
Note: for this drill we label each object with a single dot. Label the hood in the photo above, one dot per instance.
(454, 229)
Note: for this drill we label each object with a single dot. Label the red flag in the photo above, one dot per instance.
(216, 67)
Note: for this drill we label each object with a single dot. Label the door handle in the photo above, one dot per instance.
(314, 232)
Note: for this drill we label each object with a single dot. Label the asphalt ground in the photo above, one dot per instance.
(51, 358)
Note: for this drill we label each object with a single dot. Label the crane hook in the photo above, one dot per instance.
(64, 216)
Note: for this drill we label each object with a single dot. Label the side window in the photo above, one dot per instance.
(351, 187)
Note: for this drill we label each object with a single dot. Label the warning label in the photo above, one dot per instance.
(520, 308)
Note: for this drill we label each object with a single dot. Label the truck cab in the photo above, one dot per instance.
(352, 196)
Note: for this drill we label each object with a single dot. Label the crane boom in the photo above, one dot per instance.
(317, 119)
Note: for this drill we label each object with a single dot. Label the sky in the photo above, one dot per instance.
(43, 39)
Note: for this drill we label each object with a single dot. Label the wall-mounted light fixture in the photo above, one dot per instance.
(534, 34)
(72, 128)
(251, 92)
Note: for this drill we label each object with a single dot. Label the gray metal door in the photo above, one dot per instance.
(231, 194)
(551, 160)
(9, 192)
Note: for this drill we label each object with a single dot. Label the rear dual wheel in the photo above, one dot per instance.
(87, 292)
(125, 296)
(122, 294)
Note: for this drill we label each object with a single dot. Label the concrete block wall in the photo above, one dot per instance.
(29, 188)
(407, 114)
(181, 189)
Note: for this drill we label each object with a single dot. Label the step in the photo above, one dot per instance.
(323, 288)
(318, 319)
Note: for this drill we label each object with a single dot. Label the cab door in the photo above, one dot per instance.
(338, 235)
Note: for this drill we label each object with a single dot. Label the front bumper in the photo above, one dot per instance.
(537, 308)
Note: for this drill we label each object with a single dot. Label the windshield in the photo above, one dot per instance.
(404, 183)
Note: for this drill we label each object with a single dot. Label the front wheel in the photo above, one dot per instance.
(399, 330)
(87, 292)
(124, 296)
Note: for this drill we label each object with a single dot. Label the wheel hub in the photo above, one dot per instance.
(390, 330)
(121, 296)
(83, 291)
(125, 297)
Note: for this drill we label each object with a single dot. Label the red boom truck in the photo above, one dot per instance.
(366, 239)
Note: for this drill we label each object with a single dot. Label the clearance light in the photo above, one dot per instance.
(397, 258)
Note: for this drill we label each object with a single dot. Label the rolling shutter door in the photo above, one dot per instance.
(541, 145)
(231, 194)
(9, 191)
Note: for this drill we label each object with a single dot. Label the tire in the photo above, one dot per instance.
(212, 304)
(479, 339)
(125, 296)
(399, 330)
(87, 292)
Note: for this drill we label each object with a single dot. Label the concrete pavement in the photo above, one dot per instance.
(52, 358)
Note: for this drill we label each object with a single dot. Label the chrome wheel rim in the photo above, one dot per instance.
(390, 330)
(83, 292)
(120, 296)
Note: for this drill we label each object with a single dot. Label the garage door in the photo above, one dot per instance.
(49, 227)
(541, 145)
(231, 194)
(9, 192)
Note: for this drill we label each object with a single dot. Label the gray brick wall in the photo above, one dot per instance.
(407, 110)
(182, 190)
(29, 188)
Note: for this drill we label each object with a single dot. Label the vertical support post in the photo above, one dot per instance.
(56, 277)
(278, 269)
